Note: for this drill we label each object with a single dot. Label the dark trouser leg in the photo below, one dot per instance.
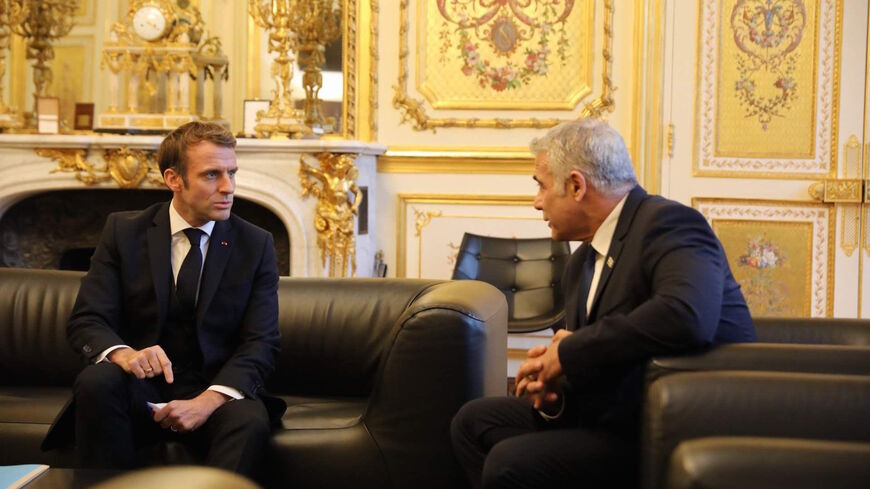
(504, 443)
(235, 436)
(110, 410)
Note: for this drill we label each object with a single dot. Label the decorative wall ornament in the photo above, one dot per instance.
(504, 35)
(128, 168)
(768, 88)
(522, 47)
(782, 253)
(767, 35)
(846, 193)
(334, 215)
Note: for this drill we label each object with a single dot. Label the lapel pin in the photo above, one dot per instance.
(609, 262)
(224, 242)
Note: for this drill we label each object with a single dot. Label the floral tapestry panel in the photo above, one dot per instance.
(768, 78)
(772, 261)
(507, 54)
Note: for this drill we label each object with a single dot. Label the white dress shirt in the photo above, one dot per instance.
(178, 251)
(601, 246)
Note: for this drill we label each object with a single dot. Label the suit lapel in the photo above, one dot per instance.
(159, 242)
(623, 225)
(219, 247)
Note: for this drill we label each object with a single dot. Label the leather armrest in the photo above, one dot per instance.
(449, 346)
(774, 357)
(750, 462)
(684, 406)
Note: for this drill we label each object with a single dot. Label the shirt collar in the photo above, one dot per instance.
(177, 223)
(604, 235)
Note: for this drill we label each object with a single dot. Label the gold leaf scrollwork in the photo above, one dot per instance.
(333, 184)
(422, 219)
(128, 168)
(74, 161)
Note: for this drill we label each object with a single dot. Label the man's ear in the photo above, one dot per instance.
(173, 180)
(576, 185)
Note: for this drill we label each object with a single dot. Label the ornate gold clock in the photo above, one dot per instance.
(151, 19)
(163, 59)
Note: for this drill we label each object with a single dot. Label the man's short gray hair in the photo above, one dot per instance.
(593, 148)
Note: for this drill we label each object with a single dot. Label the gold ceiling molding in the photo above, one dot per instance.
(129, 168)
(462, 160)
(414, 111)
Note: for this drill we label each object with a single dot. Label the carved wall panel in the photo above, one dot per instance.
(768, 88)
(431, 228)
(781, 253)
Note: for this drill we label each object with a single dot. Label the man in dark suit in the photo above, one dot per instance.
(179, 307)
(650, 279)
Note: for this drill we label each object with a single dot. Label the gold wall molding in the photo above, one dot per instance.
(821, 159)
(646, 132)
(413, 110)
(423, 217)
(822, 218)
(332, 184)
(516, 161)
(127, 168)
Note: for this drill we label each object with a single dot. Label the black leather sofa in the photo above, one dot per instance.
(372, 371)
(783, 412)
(739, 429)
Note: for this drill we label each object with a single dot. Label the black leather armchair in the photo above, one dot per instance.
(792, 406)
(372, 370)
(763, 463)
(810, 345)
(527, 271)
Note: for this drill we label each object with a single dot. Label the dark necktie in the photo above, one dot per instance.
(188, 275)
(586, 273)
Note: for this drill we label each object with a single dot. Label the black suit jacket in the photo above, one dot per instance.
(665, 289)
(124, 298)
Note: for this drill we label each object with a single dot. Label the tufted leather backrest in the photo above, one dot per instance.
(527, 271)
(824, 331)
(34, 308)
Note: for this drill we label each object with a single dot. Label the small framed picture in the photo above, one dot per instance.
(84, 117)
(252, 106)
(47, 115)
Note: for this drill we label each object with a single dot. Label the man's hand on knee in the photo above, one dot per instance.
(183, 416)
(146, 363)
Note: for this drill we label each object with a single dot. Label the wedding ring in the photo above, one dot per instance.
(173, 429)
(149, 370)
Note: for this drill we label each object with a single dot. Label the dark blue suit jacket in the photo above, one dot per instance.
(124, 298)
(665, 289)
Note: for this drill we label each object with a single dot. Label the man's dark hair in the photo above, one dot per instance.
(173, 149)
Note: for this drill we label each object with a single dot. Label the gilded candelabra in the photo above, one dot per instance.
(316, 23)
(282, 117)
(12, 12)
(46, 20)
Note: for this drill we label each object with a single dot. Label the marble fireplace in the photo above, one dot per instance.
(55, 191)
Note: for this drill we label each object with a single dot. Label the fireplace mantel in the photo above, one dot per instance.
(268, 175)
